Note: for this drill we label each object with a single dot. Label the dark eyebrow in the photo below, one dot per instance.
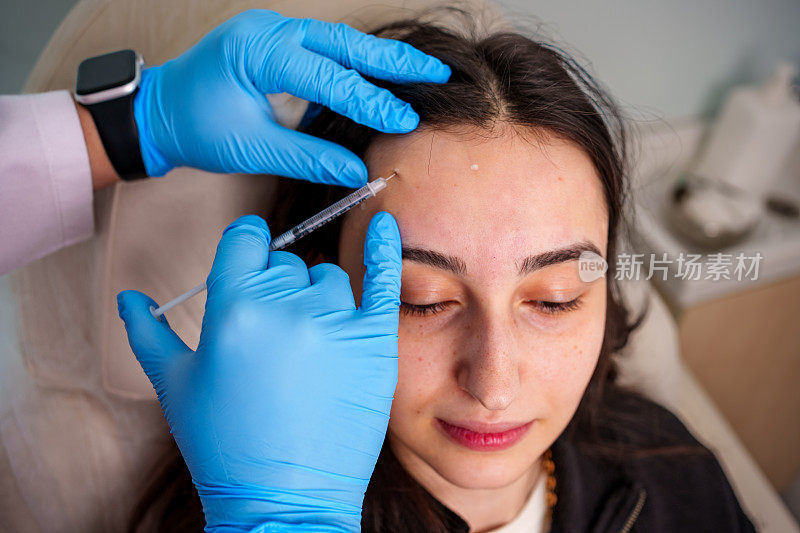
(457, 266)
(552, 257)
(436, 260)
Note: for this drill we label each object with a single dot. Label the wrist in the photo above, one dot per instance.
(283, 527)
(155, 163)
(239, 508)
(103, 173)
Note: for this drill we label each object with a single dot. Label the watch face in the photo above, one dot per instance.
(106, 72)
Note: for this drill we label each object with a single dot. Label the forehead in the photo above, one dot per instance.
(490, 198)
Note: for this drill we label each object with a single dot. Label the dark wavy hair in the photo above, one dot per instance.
(497, 78)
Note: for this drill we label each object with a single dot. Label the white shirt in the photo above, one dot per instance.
(531, 518)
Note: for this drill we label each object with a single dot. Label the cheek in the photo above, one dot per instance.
(424, 366)
(561, 366)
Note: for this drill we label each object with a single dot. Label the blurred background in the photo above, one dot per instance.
(711, 87)
(673, 58)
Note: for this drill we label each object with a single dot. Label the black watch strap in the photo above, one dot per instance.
(120, 136)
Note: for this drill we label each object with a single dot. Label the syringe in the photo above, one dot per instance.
(304, 228)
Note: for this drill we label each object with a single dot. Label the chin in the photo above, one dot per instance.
(488, 470)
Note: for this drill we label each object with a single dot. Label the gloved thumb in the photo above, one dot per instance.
(242, 250)
(153, 342)
(384, 262)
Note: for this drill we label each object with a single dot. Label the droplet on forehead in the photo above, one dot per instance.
(473, 167)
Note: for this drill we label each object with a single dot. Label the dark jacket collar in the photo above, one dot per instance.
(592, 495)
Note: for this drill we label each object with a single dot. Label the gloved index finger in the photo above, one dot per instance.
(310, 158)
(243, 248)
(318, 79)
(386, 59)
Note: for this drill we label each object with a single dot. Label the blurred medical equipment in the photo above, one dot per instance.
(722, 195)
(304, 228)
(725, 324)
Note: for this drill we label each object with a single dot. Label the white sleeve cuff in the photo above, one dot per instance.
(45, 177)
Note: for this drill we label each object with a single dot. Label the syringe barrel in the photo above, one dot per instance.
(281, 241)
(328, 214)
(334, 210)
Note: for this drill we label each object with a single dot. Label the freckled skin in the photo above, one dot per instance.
(492, 356)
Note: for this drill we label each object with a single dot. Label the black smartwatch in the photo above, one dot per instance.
(106, 86)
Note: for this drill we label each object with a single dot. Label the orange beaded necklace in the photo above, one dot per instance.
(550, 498)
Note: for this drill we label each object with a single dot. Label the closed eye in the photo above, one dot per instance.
(424, 309)
(548, 307)
(553, 308)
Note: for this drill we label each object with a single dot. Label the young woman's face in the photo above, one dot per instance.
(498, 334)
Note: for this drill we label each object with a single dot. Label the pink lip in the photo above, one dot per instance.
(484, 437)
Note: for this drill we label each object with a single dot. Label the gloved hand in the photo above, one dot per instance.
(207, 108)
(281, 411)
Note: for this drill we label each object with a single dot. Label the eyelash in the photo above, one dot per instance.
(422, 310)
(558, 307)
(550, 308)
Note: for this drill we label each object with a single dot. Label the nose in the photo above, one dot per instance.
(489, 370)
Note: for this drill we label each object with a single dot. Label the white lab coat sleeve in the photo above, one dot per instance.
(45, 178)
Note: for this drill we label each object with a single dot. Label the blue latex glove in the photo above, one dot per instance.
(281, 412)
(207, 108)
